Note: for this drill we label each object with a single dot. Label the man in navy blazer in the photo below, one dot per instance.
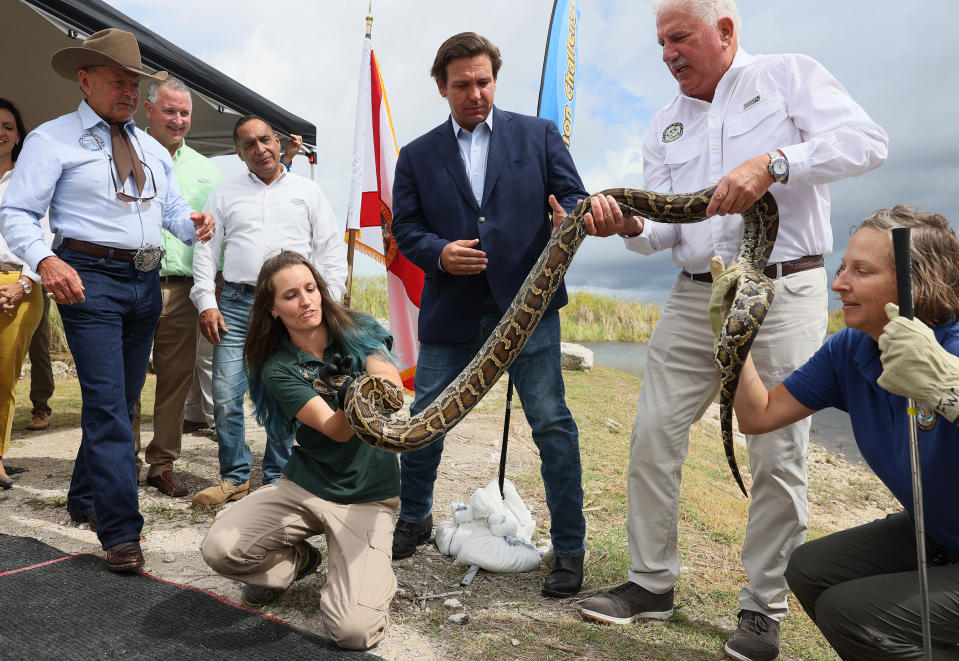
(471, 208)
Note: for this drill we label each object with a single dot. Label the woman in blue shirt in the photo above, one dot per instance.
(334, 484)
(860, 586)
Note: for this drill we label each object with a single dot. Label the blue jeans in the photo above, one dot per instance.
(229, 385)
(538, 378)
(110, 334)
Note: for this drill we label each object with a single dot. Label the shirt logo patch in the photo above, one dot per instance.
(203, 180)
(673, 132)
(298, 202)
(749, 104)
(310, 369)
(926, 417)
(91, 142)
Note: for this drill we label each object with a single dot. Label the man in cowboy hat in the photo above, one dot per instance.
(110, 188)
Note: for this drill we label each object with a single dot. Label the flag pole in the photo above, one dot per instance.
(351, 233)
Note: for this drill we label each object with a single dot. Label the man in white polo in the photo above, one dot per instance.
(748, 124)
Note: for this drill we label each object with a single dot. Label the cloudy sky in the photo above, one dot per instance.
(893, 57)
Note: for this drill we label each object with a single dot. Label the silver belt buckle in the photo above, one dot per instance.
(147, 258)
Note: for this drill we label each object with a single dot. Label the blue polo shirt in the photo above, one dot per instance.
(843, 374)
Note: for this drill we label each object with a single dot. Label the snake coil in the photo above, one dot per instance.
(370, 400)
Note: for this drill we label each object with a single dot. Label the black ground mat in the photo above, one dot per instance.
(20, 552)
(75, 608)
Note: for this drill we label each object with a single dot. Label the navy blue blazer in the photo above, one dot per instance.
(433, 205)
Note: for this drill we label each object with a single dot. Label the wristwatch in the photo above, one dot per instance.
(27, 287)
(778, 166)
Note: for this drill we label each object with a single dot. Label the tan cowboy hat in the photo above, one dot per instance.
(110, 47)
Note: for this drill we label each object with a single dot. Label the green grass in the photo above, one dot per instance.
(837, 321)
(66, 402)
(591, 318)
(369, 295)
(58, 338)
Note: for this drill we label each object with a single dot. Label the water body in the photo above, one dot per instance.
(830, 427)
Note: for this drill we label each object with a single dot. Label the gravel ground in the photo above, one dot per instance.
(173, 531)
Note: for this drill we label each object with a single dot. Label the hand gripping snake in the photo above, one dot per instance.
(370, 400)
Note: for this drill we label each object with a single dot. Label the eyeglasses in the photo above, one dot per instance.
(118, 187)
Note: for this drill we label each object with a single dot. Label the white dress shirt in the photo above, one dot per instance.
(255, 221)
(6, 255)
(762, 103)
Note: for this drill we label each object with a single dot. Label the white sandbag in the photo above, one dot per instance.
(449, 536)
(497, 554)
(493, 531)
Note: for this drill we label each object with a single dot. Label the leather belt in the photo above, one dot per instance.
(10, 266)
(241, 287)
(773, 271)
(176, 278)
(96, 250)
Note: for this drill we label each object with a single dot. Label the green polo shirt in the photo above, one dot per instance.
(196, 176)
(346, 473)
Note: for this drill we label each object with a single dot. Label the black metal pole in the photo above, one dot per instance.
(902, 250)
(502, 454)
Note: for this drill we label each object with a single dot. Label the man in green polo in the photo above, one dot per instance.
(168, 109)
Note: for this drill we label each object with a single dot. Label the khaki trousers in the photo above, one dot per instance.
(174, 356)
(260, 541)
(680, 381)
(199, 401)
(15, 337)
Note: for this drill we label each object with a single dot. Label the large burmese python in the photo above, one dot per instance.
(369, 400)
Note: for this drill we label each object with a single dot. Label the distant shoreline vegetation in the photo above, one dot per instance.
(587, 317)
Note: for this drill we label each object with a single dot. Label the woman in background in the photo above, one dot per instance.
(21, 298)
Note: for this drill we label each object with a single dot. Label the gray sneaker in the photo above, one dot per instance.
(627, 603)
(755, 639)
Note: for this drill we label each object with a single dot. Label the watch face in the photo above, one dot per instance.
(780, 167)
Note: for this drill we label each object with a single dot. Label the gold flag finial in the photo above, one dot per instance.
(369, 20)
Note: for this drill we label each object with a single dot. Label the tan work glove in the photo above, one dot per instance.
(724, 289)
(915, 365)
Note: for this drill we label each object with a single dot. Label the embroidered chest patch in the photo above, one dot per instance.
(673, 132)
(309, 369)
(91, 142)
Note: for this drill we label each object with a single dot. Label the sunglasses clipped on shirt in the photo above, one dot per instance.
(118, 186)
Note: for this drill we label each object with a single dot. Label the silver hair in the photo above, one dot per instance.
(172, 83)
(708, 11)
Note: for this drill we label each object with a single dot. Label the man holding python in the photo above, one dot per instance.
(746, 124)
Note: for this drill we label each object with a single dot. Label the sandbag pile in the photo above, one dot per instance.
(491, 531)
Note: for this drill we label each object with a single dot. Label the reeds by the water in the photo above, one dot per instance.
(587, 317)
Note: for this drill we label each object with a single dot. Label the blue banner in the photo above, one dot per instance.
(557, 90)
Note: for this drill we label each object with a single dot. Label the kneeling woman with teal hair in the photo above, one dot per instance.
(334, 484)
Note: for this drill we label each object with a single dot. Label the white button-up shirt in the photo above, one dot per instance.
(762, 103)
(6, 255)
(474, 150)
(255, 221)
